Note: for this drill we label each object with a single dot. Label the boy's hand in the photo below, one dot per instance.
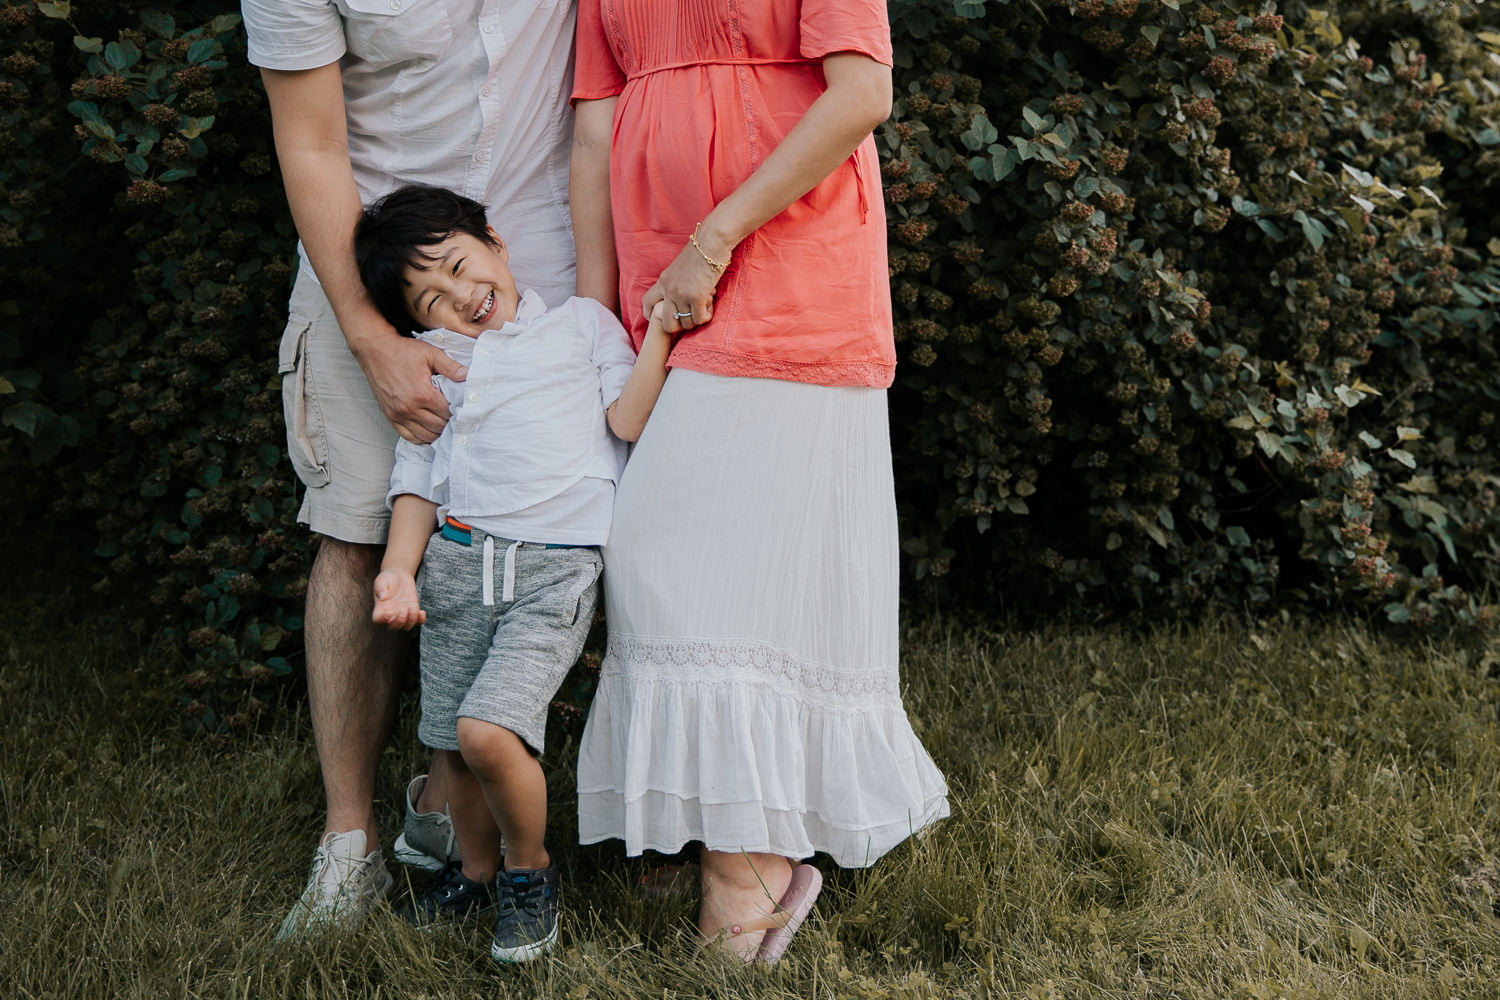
(396, 601)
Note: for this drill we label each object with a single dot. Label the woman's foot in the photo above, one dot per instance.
(740, 893)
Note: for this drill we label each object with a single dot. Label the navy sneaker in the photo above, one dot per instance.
(449, 897)
(526, 918)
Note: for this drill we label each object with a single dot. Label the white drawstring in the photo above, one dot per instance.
(489, 571)
(508, 590)
(507, 577)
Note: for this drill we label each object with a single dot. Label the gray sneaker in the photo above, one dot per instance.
(427, 841)
(526, 914)
(345, 884)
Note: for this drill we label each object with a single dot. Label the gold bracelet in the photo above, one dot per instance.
(718, 268)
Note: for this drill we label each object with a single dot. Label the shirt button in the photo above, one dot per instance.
(483, 352)
(489, 29)
(484, 92)
(462, 439)
(473, 397)
(395, 4)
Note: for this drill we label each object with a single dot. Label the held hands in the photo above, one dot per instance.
(396, 601)
(686, 287)
(400, 370)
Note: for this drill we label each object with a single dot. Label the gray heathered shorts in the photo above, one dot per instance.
(502, 663)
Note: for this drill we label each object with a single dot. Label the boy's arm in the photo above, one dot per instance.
(412, 522)
(627, 415)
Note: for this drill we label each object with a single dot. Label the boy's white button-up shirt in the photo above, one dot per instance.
(470, 95)
(527, 453)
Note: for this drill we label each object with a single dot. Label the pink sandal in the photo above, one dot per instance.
(794, 907)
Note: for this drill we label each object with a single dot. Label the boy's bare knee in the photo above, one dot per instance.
(487, 747)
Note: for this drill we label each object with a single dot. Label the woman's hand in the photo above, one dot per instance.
(686, 288)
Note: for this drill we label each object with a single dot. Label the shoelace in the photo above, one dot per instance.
(337, 873)
(528, 898)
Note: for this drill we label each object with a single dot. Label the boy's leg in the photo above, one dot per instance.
(513, 787)
(474, 825)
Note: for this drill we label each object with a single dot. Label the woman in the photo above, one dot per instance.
(723, 165)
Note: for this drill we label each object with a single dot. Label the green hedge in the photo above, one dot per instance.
(1195, 302)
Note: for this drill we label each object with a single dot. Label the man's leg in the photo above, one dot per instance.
(353, 679)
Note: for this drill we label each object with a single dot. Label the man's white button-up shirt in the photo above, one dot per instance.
(470, 95)
(527, 453)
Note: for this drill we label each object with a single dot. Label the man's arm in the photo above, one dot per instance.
(588, 199)
(312, 145)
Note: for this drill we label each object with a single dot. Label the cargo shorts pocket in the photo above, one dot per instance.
(306, 444)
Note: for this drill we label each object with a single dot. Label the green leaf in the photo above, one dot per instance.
(1310, 229)
(1402, 456)
(228, 22)
(1004, 163)
(121, 55)
(159, 23)
(25, 416)
(191, 128)
(135, 165)
(202, 50)
(60, 11)
(94, 45)
(1036, 121)
(980, 134)
(1238, 537)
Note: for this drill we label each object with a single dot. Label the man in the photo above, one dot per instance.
(367, 95)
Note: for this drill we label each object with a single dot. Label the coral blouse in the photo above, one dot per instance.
(707, 89)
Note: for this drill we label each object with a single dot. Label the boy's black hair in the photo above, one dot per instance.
(392, 234)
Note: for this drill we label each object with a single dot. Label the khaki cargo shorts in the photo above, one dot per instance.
(340, 444)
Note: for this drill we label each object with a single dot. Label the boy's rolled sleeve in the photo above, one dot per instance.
(416, 471)
(612, 354)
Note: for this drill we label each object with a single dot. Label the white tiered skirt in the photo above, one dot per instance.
(749, 698)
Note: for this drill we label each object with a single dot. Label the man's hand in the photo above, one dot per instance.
(396, 601)
(400, 372)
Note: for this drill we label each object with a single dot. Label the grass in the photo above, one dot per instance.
(1222, 810)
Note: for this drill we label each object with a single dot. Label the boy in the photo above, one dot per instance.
(523, 476)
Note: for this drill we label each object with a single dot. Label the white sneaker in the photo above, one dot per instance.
(345, 884)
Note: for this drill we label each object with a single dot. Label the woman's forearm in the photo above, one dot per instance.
(588, 197)
(858, 99)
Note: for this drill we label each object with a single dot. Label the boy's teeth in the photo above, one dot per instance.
(484, 307)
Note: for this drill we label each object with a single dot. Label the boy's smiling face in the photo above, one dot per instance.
(467, 287)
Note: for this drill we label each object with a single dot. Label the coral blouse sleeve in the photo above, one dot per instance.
(596, 74)
(829, 26)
